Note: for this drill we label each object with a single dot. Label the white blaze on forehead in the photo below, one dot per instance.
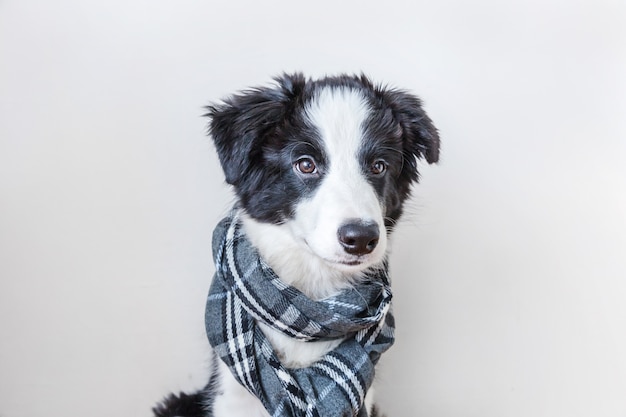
(339, 114)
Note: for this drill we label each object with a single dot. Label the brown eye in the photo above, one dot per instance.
(306, 165)
(378, 167)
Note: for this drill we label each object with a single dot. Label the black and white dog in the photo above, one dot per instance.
(321, 170)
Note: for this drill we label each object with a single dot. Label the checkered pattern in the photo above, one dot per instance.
(246, 291)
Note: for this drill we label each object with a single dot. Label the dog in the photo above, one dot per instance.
(321, 170)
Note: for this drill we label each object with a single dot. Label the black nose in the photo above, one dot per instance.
(358, 238)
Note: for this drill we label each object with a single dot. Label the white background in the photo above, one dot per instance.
(509, 269)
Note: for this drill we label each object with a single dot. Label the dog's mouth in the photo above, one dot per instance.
(359, 262)
(347, 262)
(351, 263)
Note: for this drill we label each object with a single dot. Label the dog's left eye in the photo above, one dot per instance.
(378, 167)
(306, 165)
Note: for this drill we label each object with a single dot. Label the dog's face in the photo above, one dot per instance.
(331, 160)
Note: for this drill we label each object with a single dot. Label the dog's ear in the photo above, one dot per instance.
(421, 138)
(240, 125)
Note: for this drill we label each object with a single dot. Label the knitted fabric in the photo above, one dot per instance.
(245, 291)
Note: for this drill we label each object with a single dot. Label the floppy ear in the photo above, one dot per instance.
(241, 123)
(421, 138)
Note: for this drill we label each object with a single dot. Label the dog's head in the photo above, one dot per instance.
(332, 159)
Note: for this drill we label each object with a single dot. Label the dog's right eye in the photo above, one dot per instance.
(306, 165)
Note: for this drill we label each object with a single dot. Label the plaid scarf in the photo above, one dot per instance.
(245, 291)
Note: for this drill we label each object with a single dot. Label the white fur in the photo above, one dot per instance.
(305, 251)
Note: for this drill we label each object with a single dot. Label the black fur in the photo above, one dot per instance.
(182, 405)
(198, 404)
(251, 132)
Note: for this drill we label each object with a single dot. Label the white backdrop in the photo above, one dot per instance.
(509, 269)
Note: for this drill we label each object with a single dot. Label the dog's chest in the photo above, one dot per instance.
(295, 353)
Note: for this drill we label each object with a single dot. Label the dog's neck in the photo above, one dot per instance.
(294, 262)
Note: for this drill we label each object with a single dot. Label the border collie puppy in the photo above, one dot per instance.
(321, 170)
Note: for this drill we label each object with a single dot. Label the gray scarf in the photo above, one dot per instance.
(245, 291)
